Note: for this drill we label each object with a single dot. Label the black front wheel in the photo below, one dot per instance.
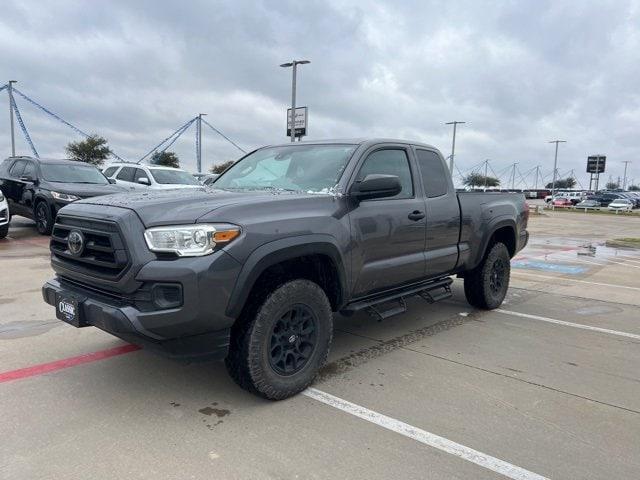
(43, 218)
(278, 346)
(486, 285)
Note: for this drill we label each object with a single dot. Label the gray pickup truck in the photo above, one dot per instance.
(252, 269)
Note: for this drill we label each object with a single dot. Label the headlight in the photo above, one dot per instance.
(190, 240)
(65, 197)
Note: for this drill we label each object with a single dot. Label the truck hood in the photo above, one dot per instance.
(183, 206)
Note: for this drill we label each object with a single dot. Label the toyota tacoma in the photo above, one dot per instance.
(252, 269)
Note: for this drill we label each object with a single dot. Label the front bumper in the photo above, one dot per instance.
(197, 329)
(124, 322)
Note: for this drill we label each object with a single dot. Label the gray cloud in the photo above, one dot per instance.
(520, 73)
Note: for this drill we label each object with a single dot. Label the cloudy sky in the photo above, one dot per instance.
(520, 73)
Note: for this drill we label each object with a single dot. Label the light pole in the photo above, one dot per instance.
(624, 177)
(294, 64)
(455, 124)
(555, 166)
(13, 138)
(199, 151)
(513, 177)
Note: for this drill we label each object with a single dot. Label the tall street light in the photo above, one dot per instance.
(624, 177)
(455, 124)
(13, 138)
(199, 135)
(555, 166)
(294, 64)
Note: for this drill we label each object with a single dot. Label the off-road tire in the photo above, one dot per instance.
(43, 218)
(4, 230)
(481, 284)
(250, 360)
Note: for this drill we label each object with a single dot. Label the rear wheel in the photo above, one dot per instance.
(486, 285)
(278, 346)
(43, 218)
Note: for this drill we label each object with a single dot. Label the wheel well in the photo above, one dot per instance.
(504, 235)
(317, 268)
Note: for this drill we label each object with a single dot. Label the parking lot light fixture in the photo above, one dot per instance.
(455, 124)
(294, 64)
(555, 166)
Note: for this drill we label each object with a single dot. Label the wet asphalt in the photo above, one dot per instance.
(549, 384)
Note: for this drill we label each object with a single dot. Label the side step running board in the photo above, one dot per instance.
(432, 291)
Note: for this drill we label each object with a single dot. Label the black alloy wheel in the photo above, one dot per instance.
(293, 340)
(43, 218)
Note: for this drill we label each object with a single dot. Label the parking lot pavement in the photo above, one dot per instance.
(545, 387)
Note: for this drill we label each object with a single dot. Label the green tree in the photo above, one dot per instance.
(479, 180)
(612, 186)
(166, 159)
(563, 183)
(221, 167)
(634, 188)
(93, 150)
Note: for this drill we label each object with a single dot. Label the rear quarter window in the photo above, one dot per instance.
(434, 176)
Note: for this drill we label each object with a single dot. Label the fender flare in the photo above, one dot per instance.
(495, 225)
(281, 250)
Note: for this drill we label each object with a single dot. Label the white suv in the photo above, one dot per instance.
(140, 177)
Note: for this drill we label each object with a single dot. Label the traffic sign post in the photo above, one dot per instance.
(301, 122)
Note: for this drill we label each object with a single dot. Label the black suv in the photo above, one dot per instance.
(37, 188)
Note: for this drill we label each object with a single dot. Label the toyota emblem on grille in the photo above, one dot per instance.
(75, 242)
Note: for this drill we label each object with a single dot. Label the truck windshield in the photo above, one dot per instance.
(67, 173)
(310, 168)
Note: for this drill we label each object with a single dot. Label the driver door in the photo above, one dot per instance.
(388, 233)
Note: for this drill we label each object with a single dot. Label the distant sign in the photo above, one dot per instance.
(302, 117)
(596, 163)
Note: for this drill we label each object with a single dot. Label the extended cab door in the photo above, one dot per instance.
(388, 233)
(443, 213)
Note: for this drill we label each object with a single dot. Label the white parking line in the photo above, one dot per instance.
(568, 324)
(565, 279)
(422, 436)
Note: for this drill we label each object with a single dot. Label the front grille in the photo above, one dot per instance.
(104, 253)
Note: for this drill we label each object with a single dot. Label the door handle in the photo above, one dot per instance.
(416, 215)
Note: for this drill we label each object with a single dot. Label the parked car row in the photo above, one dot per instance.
(618, 204)
(599, 199)
(37, 188)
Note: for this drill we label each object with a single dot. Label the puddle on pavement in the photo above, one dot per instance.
(211, 412)
(572, 256)
(27, 328)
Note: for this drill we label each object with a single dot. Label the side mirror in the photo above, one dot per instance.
(112, 181)
(376, 186)
(144, 181)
